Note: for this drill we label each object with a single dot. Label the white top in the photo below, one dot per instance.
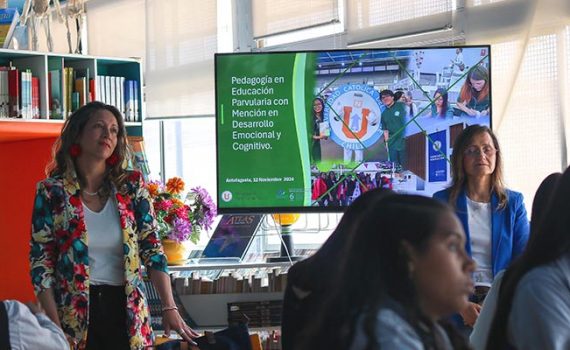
(540, 315)
(479, 221)
(394, 333)
(106, 258)
(478, 337)
(29, 331)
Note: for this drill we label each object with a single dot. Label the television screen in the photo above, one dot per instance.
(310, 131)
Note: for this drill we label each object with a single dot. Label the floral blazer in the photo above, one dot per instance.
(59, 259)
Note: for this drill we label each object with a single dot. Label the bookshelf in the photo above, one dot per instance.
(25, 149)
(42, 65)
(213, 294)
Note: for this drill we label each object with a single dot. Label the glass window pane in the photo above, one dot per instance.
(271, 17)
(181, 42)
(367, 13)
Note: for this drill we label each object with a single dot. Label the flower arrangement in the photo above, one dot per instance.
(181, 219)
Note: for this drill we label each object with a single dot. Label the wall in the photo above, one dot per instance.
(23, 164)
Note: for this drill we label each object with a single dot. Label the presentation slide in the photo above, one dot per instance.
(311, 131)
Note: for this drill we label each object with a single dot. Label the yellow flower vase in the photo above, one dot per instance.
(176, 253)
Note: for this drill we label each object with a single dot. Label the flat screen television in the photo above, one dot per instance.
(309, 131)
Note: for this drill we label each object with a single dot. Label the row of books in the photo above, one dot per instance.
(68, 90)
(19, 94)
(267, 313)
(74, 87)
(232, 283)
(121, 93)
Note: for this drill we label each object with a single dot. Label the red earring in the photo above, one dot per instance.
(112, 160)
(75, 150)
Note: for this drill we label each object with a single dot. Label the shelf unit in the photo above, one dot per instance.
(41, 63)
(210, 311)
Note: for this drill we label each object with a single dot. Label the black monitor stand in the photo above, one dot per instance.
(286, 246)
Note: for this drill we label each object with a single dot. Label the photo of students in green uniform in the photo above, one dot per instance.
(393, 124)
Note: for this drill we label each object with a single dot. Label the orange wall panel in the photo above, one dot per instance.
(23, 165)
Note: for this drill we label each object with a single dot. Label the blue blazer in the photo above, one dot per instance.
(510, 226)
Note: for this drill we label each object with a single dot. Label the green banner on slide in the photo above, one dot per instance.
(264, 104)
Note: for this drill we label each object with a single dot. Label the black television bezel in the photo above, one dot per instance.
(317, 209)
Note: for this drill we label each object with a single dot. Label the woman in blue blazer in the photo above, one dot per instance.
(494, 218)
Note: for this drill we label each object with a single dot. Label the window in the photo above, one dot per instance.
(530, 128)
(181, 41)
(368, 13)
(278, 17)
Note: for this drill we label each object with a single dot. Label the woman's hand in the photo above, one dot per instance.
(470, 314)
(171, 320)
(463, 107)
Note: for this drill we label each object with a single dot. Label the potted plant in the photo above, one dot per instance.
(179, 217)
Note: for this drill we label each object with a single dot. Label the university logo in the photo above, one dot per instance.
(226, 196)
(353, 113)
(436, 145)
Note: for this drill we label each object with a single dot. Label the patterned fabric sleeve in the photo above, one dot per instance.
(43, 253)
(150, 248)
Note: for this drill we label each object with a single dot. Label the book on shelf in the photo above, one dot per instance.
(136, 101)
(129, 100)
(8, 20)
(35, 97)
(92, 94)
(55, 88)
(82, 76)
(14, 92)
(232, 236)
(4, 97)
(68, 86)
(120, 87)
(26, 94)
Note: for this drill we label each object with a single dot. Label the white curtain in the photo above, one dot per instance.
(278, 16)
(377, 19)
(181, 40)
(122, 37)
(530, 59)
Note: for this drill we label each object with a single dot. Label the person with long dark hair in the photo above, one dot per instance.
(310, 280)
(534, 300)
(473, 98)
(440, 108)
(318, 107)
(494, 218)
(542, 197)
(405, 268)
(92, 228)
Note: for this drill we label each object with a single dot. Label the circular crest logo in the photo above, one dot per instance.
(353, 112)
(227, 196)
(436, 145)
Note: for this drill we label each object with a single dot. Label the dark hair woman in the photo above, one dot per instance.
(398, 277)
(309, 281)
(318, 107)
(493, 217)
(533, 311)
(92, 228)
(440, 108)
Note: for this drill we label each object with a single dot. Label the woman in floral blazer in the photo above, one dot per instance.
(87, 176)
